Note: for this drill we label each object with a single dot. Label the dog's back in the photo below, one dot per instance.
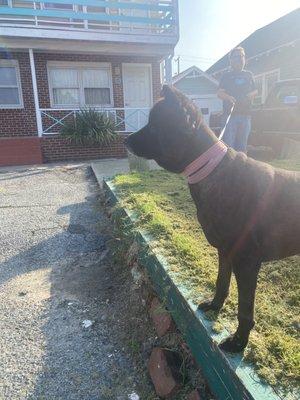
(247, 201)
(280, 226)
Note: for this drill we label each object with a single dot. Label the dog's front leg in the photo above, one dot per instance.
(222, 286)
(246, 273)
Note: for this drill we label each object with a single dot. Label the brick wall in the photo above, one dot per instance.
(20, 122)
(115, 61)
(156, 80)
(23, 122)
(55, 148)
(20, 151)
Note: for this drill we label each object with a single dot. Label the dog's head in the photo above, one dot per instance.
(170, 132)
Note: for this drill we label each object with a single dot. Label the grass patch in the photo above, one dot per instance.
(167, 212)
(293, 165)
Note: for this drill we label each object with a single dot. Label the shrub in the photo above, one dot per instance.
(89, 127)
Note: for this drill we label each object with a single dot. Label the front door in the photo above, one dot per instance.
(137, 84)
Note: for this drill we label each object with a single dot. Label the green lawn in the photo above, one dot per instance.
(166, 210)
(293, 165)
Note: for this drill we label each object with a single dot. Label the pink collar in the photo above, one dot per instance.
(200, 168)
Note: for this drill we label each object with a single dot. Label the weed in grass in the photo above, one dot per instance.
(134, 345)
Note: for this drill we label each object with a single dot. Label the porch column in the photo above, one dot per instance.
(35, 95)
(168, 69)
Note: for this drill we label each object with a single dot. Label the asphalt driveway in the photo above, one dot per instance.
(68, 313)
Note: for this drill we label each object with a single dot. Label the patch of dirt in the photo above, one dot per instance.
(74, 315)
(132, 291)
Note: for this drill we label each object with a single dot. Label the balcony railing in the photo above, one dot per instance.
(151, 17)
(127, 120)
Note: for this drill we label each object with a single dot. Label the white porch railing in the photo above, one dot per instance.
(127, 120)
(151, 17)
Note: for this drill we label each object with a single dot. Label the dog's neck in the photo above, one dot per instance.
(203, 139)
(206, 163)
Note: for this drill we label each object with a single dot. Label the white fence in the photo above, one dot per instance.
(127, 120)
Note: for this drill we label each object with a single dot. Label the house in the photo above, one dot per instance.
(273, 53)
(58, 57)
(201, 88)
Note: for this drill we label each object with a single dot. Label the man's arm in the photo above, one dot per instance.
(225, 96)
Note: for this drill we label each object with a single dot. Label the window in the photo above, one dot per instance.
(264, 84)
(3, 2)
(65, 86)
(80, 85)
(10, 85)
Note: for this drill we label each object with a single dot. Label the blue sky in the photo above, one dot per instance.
(210, 28)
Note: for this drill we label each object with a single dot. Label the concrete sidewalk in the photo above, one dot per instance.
(105, 168)
(109, 168)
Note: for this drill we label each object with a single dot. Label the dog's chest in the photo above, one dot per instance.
(222, 210)
(210, 217)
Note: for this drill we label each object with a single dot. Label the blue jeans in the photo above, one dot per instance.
(237, 132)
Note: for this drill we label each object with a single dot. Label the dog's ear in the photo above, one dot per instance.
(170, 95)
(184, 106)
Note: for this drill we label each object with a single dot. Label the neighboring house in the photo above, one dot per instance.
(58, 57)
(201, 88)
(272, 52)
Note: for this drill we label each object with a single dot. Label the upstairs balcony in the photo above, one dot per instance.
(136, 21)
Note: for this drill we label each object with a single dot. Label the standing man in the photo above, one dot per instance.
(237, 90)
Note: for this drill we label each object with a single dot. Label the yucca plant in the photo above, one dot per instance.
(89, 127)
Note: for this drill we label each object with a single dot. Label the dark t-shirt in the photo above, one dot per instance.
(238, 84)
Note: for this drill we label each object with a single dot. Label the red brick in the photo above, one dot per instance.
(20, 151)
(164, 369)
(194, 395)
(161, 318)
(55, 148)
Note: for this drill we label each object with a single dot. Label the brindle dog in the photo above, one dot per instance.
(248, 210)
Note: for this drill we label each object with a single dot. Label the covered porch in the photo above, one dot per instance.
(49, 88)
